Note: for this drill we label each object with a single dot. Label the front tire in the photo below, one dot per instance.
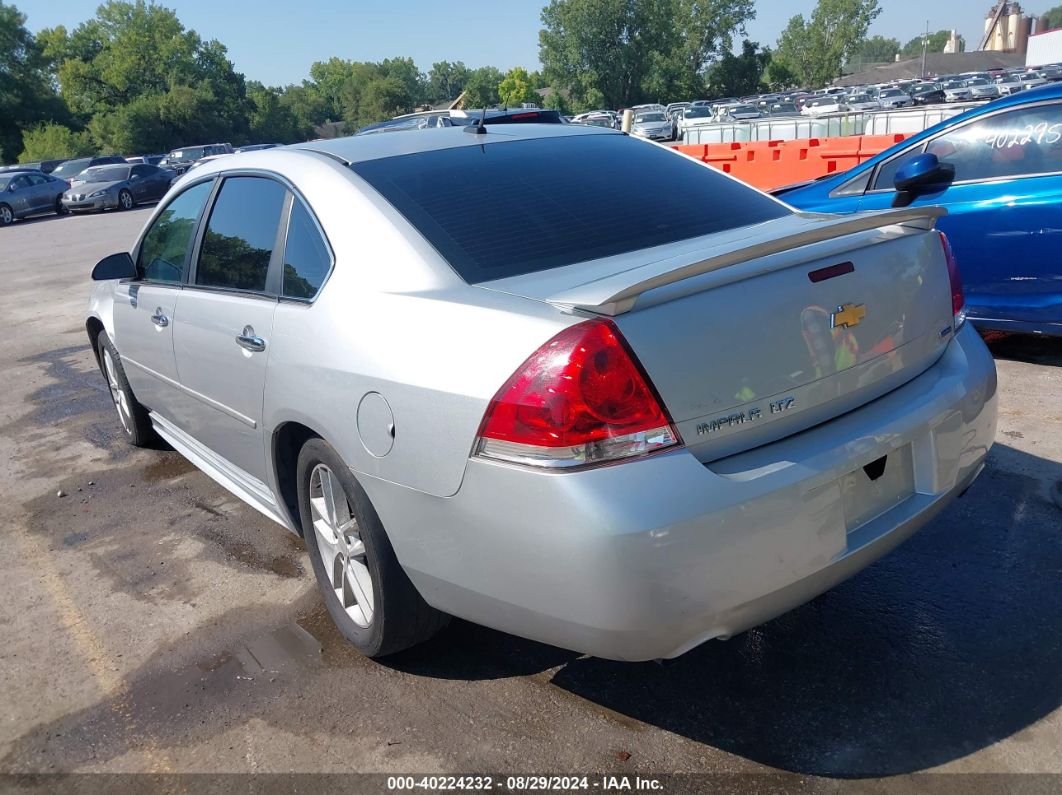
(366, 591)
(125, 200)
(60, 208)
(132, 416)
(7, 217)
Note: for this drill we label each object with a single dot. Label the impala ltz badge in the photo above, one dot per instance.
(749, 415)
(848, 315)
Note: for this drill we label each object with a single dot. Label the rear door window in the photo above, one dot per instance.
(241, 234)
(508, 208)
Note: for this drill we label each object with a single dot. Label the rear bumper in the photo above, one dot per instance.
(648, 559)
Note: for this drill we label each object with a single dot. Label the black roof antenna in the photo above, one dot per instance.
(479, 128)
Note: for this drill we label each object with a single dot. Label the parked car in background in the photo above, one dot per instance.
(957, 91)
(623, 425)
(255, 147)
(29, 192)
(119, 187)
(69, 169)
(890, 98)
(927, 94)
(736, 112)
(819, 106)
(150, 160)
(180, 160)
(1033, 80)
(781, 109)
(1009, 84)
(694, 116)
(862, 102)
(997, 169)
(44, 166)
(598, 120)
(982, 88)
(652, 124)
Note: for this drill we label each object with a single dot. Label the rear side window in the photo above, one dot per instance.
(240, 234)
(306, 255)
(511, 208)
(164, 251)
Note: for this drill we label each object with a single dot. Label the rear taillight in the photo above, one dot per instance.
(580, 399)
(958, 302)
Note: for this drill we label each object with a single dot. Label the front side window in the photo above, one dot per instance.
(306, 255)
(240, 234)
(1018, 143)
(163, 255)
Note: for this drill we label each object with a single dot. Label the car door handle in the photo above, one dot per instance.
(249, 342)
(160, 319)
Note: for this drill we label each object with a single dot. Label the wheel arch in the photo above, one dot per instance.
(286, 443)
(94, 327)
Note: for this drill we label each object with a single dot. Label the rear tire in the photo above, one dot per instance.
(366, 591)
(132, 416)
(125, 200)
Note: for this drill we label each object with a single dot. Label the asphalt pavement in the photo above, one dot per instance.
(153, 623)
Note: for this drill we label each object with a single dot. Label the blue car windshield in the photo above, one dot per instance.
(507, 209)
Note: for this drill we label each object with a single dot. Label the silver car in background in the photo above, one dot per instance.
(623, 426)
(652, 124)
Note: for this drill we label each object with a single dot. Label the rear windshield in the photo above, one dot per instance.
(508, 209)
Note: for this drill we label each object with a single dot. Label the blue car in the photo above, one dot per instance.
(998, 171)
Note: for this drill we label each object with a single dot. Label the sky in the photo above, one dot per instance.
(275, 42)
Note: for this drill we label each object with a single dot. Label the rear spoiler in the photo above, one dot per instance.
(616, 294)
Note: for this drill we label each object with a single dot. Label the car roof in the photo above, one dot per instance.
(356, 149)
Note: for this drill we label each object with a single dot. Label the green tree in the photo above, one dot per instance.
(558, 100)
(307, 105)
(1051, 19)
(271, 121)
(54, 141)
(629, 51)
(936, 43)
(26, 95)
(815, 49)
(737, 75)
(876, 49)
(481, 90)
(145, 82)
(516, 88)
(446, 80)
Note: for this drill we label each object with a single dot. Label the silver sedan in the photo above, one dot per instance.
(623, 426)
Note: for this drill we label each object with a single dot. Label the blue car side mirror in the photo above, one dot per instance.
(922, 172)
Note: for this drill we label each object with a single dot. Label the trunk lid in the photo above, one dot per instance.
(763, 332)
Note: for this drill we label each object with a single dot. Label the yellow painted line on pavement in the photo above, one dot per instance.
(91, 649)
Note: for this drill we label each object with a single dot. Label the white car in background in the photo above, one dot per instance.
(957, 91)
(1009, 84)
(1033, 79)
(820, 106)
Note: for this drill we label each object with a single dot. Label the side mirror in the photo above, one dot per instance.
(116, 266)
(923, 173)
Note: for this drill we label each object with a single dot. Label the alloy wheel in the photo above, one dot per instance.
(339, 542)
(125, 200)
(6, 216)
(125, 414)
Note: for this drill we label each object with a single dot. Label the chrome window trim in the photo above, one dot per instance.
(285, 219)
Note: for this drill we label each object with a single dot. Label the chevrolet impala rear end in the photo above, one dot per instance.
(623, 425)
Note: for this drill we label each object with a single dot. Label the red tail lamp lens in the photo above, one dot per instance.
(958, 301)
(579, 398)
